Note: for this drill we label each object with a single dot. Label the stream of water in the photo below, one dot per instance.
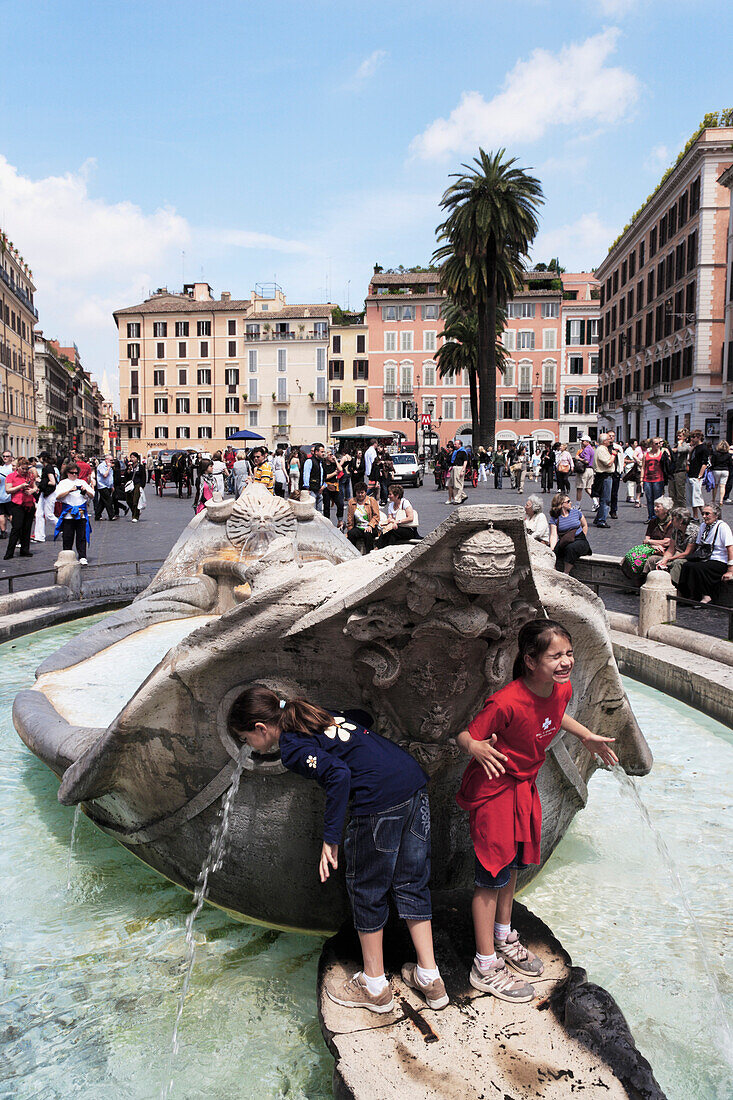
(92, 976)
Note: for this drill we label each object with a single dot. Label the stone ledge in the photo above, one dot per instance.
(28, 622)
(571, 1038)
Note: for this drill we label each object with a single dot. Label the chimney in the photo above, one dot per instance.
(226, 296)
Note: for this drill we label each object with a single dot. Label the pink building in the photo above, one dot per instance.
(549, 387)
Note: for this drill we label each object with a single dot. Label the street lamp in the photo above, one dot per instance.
(414, 415)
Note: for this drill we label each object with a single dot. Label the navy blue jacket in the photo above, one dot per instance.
(352, 762)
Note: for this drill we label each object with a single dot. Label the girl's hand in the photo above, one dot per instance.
(599, 746)
(489, 758)
(329, 858)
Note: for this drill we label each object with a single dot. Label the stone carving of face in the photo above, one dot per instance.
(258, 519)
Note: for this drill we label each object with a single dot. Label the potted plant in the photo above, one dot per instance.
(310, 394)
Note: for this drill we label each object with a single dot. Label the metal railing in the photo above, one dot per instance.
(632, 589)
(87, 568)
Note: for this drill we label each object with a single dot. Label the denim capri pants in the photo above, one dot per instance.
(486, 881)
(389, 852)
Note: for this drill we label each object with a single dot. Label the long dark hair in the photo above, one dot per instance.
(534, 639)
(259, 704)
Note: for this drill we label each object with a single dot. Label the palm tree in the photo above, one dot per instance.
(492, 220)
(459, 352)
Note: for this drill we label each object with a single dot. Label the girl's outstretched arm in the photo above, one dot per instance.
(593, 741)
(329, 858)
(490, 759)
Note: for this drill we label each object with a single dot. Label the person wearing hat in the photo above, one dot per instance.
(583, 465)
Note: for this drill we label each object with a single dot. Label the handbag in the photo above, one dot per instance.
(704, 549)
(634, 559)
(129, 486)
(564, 541)
(709, 481)
(579, 465)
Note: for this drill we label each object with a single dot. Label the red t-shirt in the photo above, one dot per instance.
(506, 810)
(85, 471)
(653, 468)
(21, 496)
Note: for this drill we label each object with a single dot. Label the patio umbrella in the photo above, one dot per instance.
(364, 431)
(245, 434)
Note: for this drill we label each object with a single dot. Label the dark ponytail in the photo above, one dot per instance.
(534, 639)
(260, 704)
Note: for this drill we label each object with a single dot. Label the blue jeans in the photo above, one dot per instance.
(652, 490)
(486, 881)
(389, 852)
(604, 501)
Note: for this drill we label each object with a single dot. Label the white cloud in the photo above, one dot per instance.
(369, 66)
(243, 238)
(572, 87)
(616, 8)
(580, 245)
(658, 159)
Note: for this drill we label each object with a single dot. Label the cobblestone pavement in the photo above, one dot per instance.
(165, 517)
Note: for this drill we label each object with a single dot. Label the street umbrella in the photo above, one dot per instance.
(245, 434)
(364, 431)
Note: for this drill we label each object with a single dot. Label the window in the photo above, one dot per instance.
(231, 328)
(360, 344)
(361, 369)
(361, 397)
(652, 242)
(525, 340)
(336, 370)
(524, 380)
(663, 231)
(548, 376)
(182, 375)
(320, 330)
(231, 404)
(204, 432)
(133, 330)
(507, 409)
(252, 390)
(181, 328)
(449, 408)
(320, 389)
(650, 286)
(253, 418)
(204, 349)
(549, 339)
(508, 379)
(429, 340)
(161, 432)
(203, 376)
(390, 410)
(430, 313)
(183, 432)
(160, 406)
(389, 313)
(134, 388)
(183, 406)
(407, 313)
(428, 373)
(133, 408)
(160, 351)
(203, 328)
(575, 364)
(320, 359)
(593, 364)
(182, 349)
(405, 341)
(252, 360)
(550, 309)
(640, 294)
(509, 339)
(160, 329)
(335, 423)
(282, 388)
(390, 341)
(232, 349)
(204, 404)
(231, 376)
(591, 403)
(632, 265)
(465, 408)
(525, 410)
(158, 377)
(695, 196)
(320, 418)
(592, 326)
(251, 331)
(690, 295)
(573, 334)
(133, 352)
(405, 377)
(548, 410)
(573, 403)
(642, 255)
(335, 344)
(692, 251)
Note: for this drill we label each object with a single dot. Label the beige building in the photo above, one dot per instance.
(195, 369)
(18, 317)
(348, 374)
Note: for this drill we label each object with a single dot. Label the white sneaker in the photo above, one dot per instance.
(134, 520)
(83, 561)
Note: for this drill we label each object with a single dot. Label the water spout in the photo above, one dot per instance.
(212, 863)
(72, 842)
(629, 788)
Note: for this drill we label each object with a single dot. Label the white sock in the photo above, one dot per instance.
(374, 985)
(483, 962)
(501, 931)
(425, 977)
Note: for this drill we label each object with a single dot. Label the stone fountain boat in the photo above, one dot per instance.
(132, 714)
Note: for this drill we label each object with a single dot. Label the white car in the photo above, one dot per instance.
(407, 470)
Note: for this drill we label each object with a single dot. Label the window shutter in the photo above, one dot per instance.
(567, 404)
(366, 368)
(355, 368)
(567, 332)
(582, 332)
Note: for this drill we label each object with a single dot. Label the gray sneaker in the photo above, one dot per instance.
(353, 993)
(434, 993)
(500, 983)
(518, 957)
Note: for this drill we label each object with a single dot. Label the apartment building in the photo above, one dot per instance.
(194, 370)
(53, 389)
(726, 180)
(579, 359)
(18, 317)
(663, 293)
(348, 373)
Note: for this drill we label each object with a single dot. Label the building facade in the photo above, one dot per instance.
(348, 375)
(579, 360)
(110, 429)
(726, 180)
(18, 317)
(663, 287)
(194, 369)
(53, 390)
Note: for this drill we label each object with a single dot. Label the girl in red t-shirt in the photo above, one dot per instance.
(508, 741)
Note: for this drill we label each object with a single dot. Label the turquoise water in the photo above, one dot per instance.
(89, 976)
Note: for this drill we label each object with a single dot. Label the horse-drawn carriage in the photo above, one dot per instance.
(173, 468)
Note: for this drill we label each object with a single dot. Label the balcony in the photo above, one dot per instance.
(391, 391)
(19, 294)
(661, 394)
(318, 398)
(280, 400)
(526, 387)
(253, 402)
(281, 336)
(281, 429)
(632, 400)
(406, 391)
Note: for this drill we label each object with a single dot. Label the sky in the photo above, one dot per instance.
(150, 144)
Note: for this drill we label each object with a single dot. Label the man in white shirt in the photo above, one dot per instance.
(369, 456)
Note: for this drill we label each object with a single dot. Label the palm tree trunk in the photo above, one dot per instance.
(491, 366)
(486, 426)
(473, 395)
